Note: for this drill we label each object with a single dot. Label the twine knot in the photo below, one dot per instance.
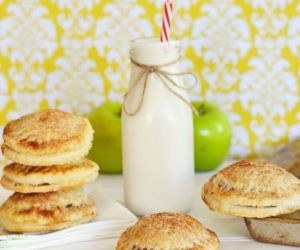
(152, 69)
(164, 76)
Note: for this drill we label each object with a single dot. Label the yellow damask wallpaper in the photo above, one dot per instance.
(73, 54)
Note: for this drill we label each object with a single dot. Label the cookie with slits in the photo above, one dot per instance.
(46, 138)
(251, 188)
(168, 231)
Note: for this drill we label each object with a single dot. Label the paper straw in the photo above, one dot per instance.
(166, 22)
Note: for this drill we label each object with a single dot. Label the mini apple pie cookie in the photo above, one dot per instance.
(48, 137)
(255, 189)
(168, 231)
(42, 212)
(41, 179)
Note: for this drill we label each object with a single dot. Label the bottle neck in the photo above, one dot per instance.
(150, 51)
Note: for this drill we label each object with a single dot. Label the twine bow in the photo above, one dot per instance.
(164, 76)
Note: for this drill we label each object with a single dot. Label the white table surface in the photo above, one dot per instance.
(223, 225)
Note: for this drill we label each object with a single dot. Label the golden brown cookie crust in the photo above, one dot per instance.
(47, 132)
(168, 231)
(252, 189)
(35, 179)
(41, 212)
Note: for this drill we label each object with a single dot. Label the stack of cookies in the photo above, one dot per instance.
(48, 150)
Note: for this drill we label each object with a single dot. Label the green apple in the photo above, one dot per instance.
(212, 136)
(106, 150)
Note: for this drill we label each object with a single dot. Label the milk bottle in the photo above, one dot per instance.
(157, 131)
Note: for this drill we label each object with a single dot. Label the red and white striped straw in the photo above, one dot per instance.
(166, 22)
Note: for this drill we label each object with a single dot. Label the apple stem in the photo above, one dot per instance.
(201, 109)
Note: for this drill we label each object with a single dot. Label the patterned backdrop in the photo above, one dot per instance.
(73, 54)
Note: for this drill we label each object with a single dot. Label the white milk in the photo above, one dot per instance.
(158, 151)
